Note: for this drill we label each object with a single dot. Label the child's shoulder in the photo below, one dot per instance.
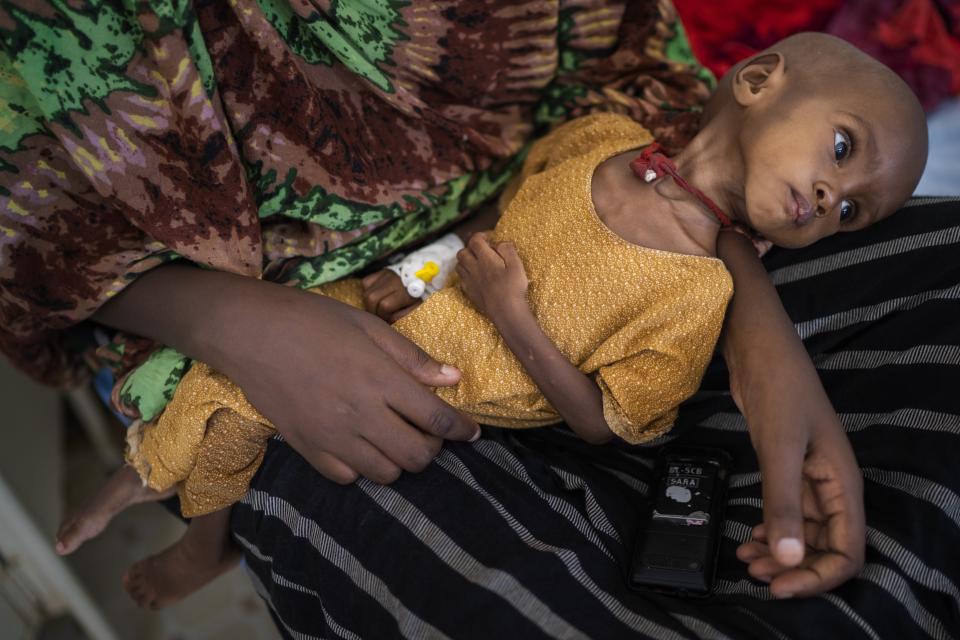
(599, 127)
(589, 134)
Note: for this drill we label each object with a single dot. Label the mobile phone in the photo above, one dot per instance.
(676, 547)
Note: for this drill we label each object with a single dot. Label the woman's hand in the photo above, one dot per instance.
(492, 276)
(344, 389)
(385, 296)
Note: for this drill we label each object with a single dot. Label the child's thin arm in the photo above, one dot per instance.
(494, 280)
(812, 486)
(576, 397)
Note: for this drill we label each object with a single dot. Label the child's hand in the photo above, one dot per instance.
(492, 276)
(812, 490)
(385, 296)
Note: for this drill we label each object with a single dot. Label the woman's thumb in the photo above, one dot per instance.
(781, 469)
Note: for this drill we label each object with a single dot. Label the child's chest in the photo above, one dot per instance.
(635, 212)
(587, 280)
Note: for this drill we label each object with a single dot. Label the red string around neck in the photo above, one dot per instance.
(651, 164)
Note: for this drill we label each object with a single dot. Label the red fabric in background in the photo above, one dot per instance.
(919, 39)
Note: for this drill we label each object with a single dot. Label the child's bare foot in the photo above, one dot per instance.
(123, 489)
(203, 553)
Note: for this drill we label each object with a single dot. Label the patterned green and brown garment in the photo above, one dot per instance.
(297, 140)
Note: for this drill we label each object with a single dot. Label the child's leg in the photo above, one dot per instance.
(204, 552)
(123, 489)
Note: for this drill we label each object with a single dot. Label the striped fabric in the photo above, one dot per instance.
(527, 534)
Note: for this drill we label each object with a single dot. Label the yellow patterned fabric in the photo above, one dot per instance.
(208, 442)
(641, 322)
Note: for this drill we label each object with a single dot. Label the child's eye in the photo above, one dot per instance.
(847, 210)
(841, 145)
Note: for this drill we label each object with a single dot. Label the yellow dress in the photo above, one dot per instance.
(641, 322)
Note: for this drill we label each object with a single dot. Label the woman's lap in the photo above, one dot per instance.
(529, 533)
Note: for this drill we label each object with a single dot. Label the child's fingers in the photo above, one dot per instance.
(759, 532)
(750, 551)
(781, 467)
(827, 571)
(371, 278)
(392, 302)
(477, 241)
(373, 296)
(405, 311)
(766, 568)
(466, 258)
(463, 271)
(481, 248)
(508, 252)
(478, 236)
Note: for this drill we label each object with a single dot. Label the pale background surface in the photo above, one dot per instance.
(940, 176)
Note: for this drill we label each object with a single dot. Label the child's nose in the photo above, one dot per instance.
(826, 198)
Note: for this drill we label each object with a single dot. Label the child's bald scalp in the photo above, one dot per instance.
(814, 58)
(832, 70)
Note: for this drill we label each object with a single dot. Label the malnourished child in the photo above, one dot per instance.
(598, 298)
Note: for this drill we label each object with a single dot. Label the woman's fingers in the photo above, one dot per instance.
(333, 468)
(432, 415)
(370, 462)
(420, 406)
(406, 446)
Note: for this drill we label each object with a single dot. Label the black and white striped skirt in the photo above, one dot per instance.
(527, 534)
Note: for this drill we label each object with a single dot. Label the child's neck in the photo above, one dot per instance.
(711, 162)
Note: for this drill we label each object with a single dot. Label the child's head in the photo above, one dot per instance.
(830, 139)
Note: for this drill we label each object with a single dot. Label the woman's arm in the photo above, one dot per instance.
(812, 537)
(374, 417)
(494, 280)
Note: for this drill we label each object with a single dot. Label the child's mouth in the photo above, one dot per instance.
(801, 209)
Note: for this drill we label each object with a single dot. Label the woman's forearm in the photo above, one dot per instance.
(574, 395)
(193, 310)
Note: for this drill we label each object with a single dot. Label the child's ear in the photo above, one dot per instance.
(757, 77)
